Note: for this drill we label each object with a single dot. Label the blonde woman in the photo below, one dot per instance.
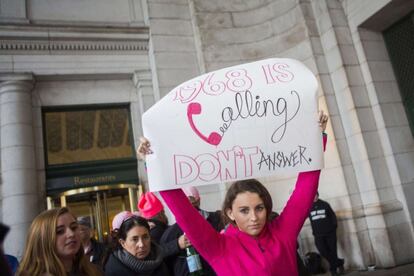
(53, 247)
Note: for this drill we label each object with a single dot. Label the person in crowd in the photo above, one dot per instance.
(5, 268)
(324, 224)
(136, 253)
(13, 263)
(53, 247)
(177, 264)
(113, 236)
(151, 208)
(93, 249)
(252, 244)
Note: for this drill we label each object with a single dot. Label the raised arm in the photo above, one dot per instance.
(201, 234)
(298, 206)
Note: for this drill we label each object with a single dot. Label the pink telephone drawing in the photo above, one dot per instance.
(195, 109)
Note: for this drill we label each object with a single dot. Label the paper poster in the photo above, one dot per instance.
(246, 121)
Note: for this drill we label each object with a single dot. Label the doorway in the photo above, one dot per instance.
(100, 203)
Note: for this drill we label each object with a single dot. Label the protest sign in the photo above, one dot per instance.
(246, 121)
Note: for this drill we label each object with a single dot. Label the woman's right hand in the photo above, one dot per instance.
(144, 148)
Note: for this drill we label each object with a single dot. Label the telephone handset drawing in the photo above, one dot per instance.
(195, 109)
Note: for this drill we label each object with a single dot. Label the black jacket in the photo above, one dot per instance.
(177, 264)
(322, 218)
(115, 266)
(158, 230)
(97, 251)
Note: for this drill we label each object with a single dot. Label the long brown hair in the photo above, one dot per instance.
(242, 186)
(40, 255)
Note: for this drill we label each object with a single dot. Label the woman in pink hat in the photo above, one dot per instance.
(253, 244)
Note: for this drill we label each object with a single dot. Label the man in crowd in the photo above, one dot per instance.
(93, 249)
(324, 224)
(178, 264)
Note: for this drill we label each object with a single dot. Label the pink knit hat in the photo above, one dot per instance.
(191, 191)
(119, 219)
(149, 205)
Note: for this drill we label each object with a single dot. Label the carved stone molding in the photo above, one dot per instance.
(70, 40)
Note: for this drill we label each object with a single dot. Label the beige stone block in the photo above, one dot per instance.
(368, 35)
(174, 77)
(17, 95)
(348, 53)
(163, 43)
(316, 45)
(375, 50)
(171, 27)
(176, 60)
(226, 6)
(287, 21)
(401, 241)
(19, 182)
(359, 157)
(366, 119)
(214, 20)
(332, 104)
(237, 35)
(382, 177)
(326, 83)
(170, 10)
(89, 11)
(321, 63)
(381, 71)
(20, 113)
(324, 23)
(387, 92)
(338, 18)
(14, 158)
(333, 59)
(340, 81)
(405, 164)
(281, 7)
(19, 209)
(329, 40)
(373, 144)
(17, 135)
(401, 139)
(360, 96)
(394, 114)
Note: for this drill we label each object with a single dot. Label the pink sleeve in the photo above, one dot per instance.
(201, 234)
(298, 206)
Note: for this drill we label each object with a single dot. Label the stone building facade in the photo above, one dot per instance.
(68, 53)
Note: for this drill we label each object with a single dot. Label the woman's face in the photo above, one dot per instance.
(67, 236)
(137, 242)
(249, 213)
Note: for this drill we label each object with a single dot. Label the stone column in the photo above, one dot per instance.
(18, 166)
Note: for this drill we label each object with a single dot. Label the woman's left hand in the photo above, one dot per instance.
(323, 120)
(144, 148)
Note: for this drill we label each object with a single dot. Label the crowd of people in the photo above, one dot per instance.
(244, 238)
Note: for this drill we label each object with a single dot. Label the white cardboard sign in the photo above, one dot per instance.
(246, 121)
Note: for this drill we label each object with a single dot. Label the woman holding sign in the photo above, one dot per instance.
(253, 244)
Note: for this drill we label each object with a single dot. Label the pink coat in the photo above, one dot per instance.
(272, 253)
